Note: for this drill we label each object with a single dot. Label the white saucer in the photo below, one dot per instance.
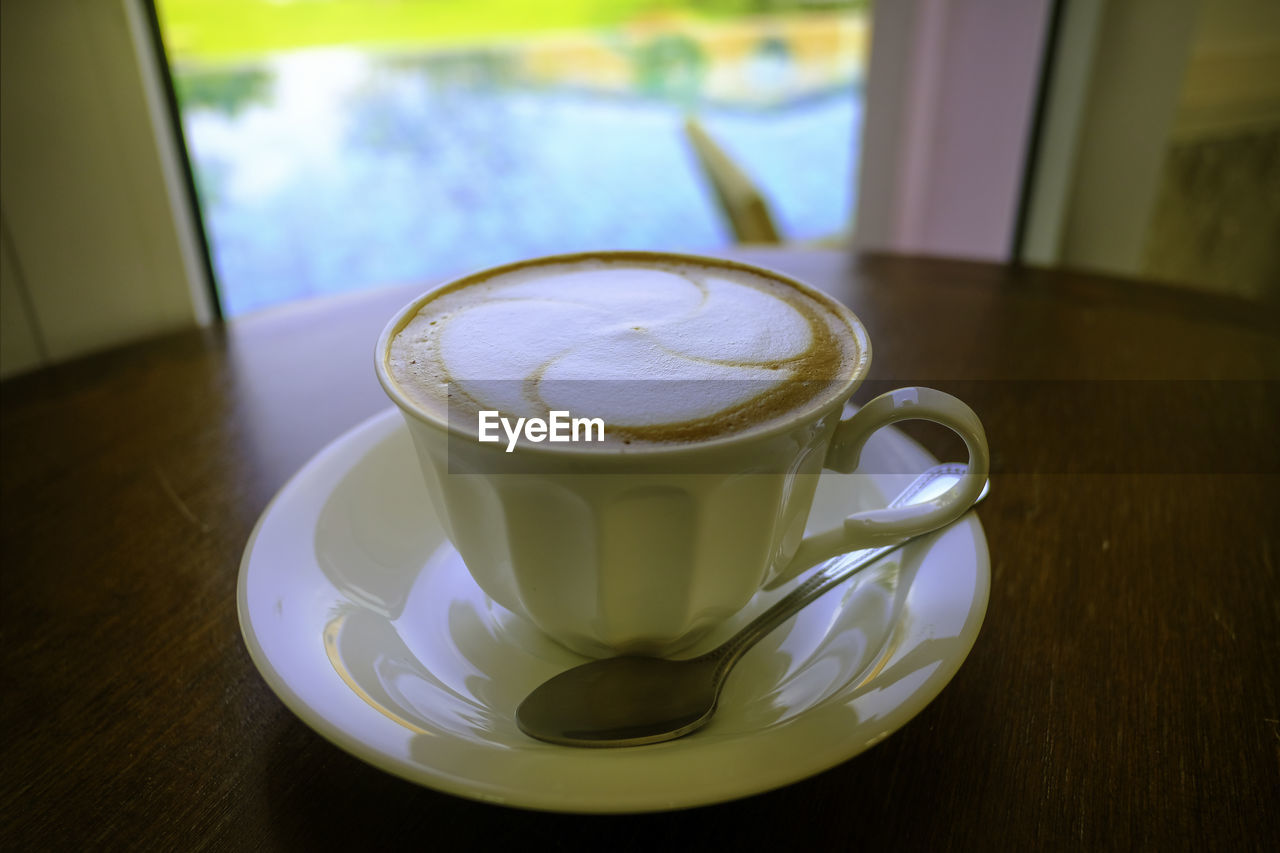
(363, 619)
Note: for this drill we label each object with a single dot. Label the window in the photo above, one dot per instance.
(341, 144)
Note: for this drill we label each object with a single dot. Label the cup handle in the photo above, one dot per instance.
(877, 527)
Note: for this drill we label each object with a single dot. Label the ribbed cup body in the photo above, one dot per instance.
(635, 555)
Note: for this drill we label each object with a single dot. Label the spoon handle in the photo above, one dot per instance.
(832, 573)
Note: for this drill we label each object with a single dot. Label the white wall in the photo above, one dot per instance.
(949, 103)
(1232, 81)
(1132, 76)
(1141, 57)
(93, 244)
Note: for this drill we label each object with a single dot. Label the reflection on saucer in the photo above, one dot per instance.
(445, 666)
(366, 678)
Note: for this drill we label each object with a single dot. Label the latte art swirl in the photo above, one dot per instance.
(662, 350)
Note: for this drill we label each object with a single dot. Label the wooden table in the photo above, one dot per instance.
(1124, 691)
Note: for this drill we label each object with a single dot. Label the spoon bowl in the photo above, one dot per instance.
(622, 701)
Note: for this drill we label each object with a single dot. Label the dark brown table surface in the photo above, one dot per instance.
(1123, 692)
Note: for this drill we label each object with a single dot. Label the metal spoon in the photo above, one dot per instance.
(633, 700)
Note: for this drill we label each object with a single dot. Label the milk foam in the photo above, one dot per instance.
(662, 351)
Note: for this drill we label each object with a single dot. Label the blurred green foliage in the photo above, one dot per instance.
(226, 29)
(227, 91)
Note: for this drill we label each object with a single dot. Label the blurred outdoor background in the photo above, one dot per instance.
(343, 144)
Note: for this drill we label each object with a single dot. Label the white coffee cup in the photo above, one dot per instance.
(613, 551)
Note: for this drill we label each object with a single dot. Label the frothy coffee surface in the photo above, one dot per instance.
(662, 350)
